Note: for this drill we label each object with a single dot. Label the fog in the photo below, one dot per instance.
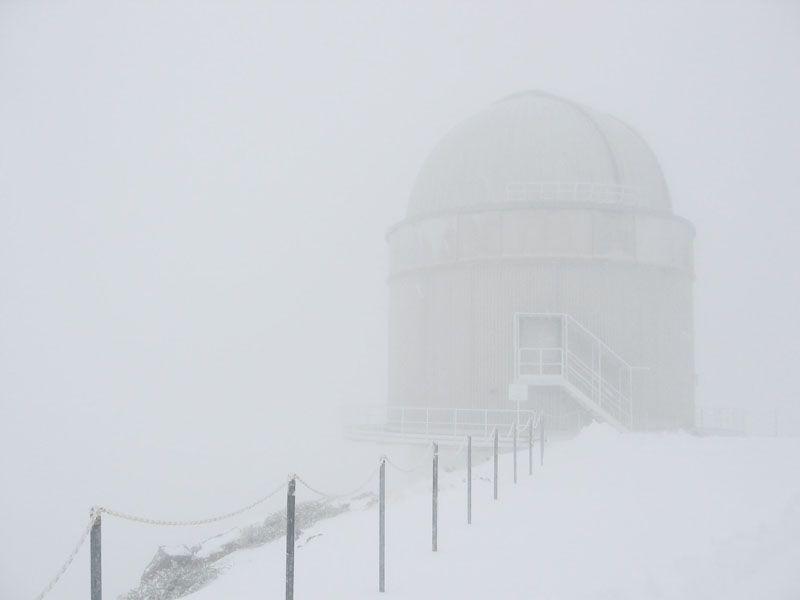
(194, 199)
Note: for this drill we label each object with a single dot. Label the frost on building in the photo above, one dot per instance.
(540, 266)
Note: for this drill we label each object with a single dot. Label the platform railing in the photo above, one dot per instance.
(411, 423)
(540, 361)
(777, 420)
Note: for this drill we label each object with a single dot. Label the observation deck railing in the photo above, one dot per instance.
(423, 423)
(544, 192)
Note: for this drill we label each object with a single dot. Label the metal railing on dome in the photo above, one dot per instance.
(575, 192)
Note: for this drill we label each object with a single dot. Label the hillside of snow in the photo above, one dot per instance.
(608, 516)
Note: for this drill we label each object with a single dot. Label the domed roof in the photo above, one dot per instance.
(534, 148)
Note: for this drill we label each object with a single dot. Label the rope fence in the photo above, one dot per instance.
(330, 496)
(412, 469)
(92, 530)
(195, 523)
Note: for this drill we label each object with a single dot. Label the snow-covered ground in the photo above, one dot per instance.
(609, 516)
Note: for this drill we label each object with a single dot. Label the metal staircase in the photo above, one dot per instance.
(568, 355)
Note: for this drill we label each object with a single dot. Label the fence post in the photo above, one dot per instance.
(469, 480)
(530, 446)
(515, 453)
(541, 448)
(382, 528)
(95, 558)
(496, 444)
(435, 498)
(290, 538)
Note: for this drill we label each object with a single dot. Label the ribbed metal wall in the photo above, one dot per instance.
(451, 317)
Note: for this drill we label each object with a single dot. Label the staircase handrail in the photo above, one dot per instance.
(603, 380)
(597, 338)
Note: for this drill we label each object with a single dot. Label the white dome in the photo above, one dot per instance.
(535, 148)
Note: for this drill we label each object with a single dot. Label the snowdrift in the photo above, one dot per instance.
(608, 516)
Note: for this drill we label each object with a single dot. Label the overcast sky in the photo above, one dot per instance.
(194, 198)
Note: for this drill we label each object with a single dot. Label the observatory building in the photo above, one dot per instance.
(540, 267)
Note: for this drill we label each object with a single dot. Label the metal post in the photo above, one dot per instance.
(435, 498)
(95, 558)
(541, 445)
(530, 446)
(382, 528)
(496, 444)
(290, 538)
(469, 480)
(515, 453)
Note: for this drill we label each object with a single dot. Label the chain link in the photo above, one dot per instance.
(215, 519)
(95, 513)
(417, 467)
(342, 495)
